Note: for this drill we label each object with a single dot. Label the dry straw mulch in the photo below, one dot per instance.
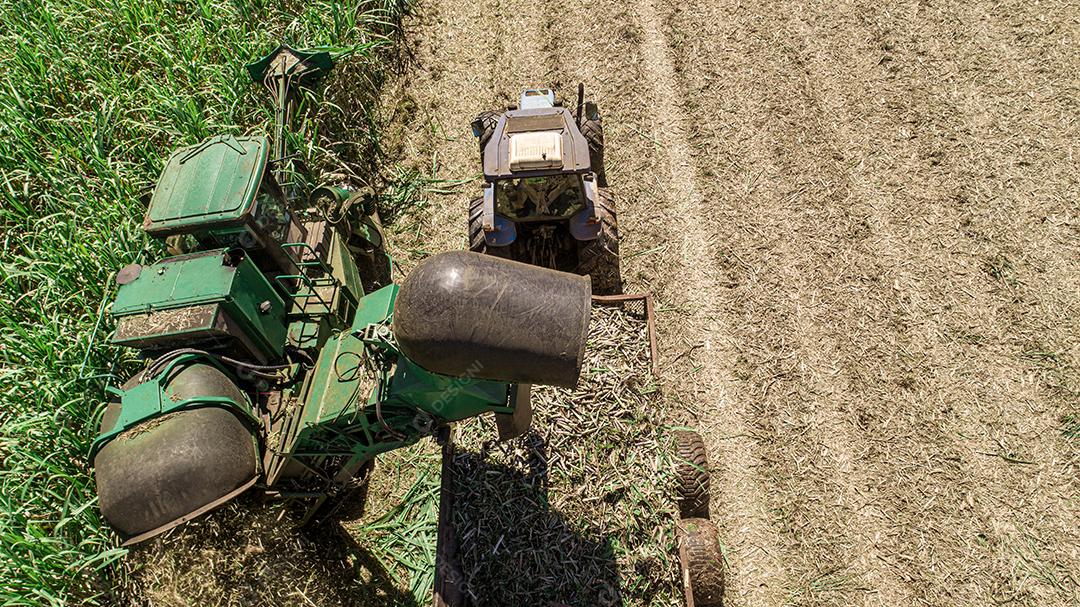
(580, 510)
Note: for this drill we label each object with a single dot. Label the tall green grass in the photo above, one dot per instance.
(93, 96)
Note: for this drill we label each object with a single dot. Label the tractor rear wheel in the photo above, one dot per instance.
(488, 122)
(171, 468)
(701, 563)
(691, 474)
(477, 244)
(599, 258)
(593, 131)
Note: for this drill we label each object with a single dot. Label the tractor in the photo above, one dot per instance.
(276, 354)
(545, 197)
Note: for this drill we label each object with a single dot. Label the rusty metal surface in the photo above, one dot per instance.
(650, 320)
(128, 273)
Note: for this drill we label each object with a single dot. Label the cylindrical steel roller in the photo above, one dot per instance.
(483, 317)
(169, 469)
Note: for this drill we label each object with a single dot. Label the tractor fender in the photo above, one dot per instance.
(503, 234)
(585, 225)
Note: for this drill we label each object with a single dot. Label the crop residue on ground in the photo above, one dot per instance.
(579, 510)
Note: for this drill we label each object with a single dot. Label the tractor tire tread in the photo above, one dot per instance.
(476, 227)
(691, 474)
(593, 131)
(489, 120)
(477, 244)
(701, 562)
(599, 258)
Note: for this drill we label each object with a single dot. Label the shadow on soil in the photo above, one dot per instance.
(252, 553)
(514, 547)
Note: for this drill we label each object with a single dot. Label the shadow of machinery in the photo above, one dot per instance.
(513, 546)
(253, 553)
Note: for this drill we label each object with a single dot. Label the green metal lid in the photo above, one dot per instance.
(209, 184)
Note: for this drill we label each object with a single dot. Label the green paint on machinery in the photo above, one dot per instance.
(210, 295)
(279, 357)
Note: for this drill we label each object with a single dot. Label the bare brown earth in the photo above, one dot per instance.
(861, 222)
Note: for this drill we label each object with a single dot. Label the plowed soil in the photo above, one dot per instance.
(861, 223)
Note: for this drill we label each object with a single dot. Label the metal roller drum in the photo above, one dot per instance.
(483, 317)
(169, 469)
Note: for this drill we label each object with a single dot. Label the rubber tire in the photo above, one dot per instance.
(701, 563)
(488, 120)
(477, 244)
(593, 131)
(158, 473)
(599, 258)
(691, 475)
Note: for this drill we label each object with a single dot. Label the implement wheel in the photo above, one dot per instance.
(691, 475)
(701, 563)
(599, 258)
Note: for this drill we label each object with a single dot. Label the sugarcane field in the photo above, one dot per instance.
(402, 303)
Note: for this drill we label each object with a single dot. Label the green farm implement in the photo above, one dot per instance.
(278, 355)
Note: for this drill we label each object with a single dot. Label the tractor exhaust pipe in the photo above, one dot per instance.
(482, 317)
(580, 103)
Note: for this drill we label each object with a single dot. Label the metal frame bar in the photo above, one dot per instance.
(650, 321)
